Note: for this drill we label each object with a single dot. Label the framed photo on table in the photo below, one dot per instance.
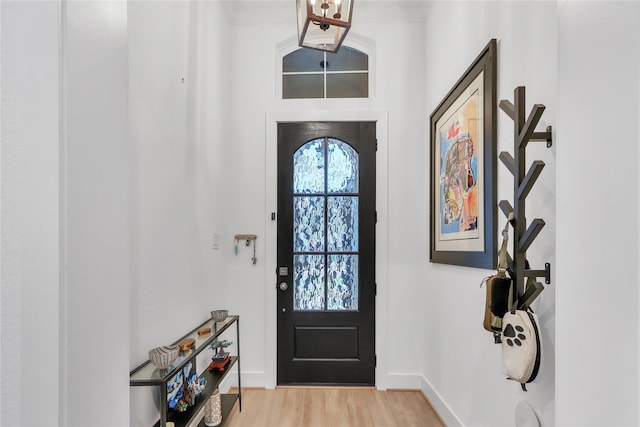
(463, 168)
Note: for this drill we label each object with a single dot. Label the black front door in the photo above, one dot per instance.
(326, 253)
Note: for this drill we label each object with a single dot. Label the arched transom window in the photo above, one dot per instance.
(309, 73)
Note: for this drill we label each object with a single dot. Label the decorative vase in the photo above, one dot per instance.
(213, 410)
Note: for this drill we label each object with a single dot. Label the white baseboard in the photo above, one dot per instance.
(418, 382)
(402, 382)
(254, 379)
(249, 379)
(439, 405)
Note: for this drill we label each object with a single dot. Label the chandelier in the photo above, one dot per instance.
(323, 24)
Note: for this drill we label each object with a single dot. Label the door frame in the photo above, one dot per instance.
(271, 239)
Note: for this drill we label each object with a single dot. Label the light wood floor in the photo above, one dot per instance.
(332, 407)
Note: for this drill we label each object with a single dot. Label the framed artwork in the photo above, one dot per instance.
(463, 168)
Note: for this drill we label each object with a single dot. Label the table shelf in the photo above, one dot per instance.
(147, 374)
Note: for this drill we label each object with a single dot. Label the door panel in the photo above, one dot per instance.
(326, 241)
(309, 342)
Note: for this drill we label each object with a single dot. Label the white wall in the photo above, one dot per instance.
(30, 188)
(178, 97)
(65, 206)
(460, 362)
(96, 223)
(398, 71)
(597, 305)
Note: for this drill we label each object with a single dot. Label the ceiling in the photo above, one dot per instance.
(280, 11)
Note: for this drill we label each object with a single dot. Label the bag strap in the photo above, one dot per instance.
(513, 303)
(512, 300)
(502, 255)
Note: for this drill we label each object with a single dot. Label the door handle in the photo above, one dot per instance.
(283, 286)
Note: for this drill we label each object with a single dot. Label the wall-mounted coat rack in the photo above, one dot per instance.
(523, 181)
(247, 238)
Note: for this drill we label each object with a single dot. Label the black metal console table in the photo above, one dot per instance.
(148, 375)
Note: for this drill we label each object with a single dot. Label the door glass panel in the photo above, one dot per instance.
(342, 289)
(308, 168)
(342, 168)
(308, 224)
(342, 224)
(308, 282)
(322, 168)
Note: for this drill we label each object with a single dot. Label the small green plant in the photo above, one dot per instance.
(220, 345)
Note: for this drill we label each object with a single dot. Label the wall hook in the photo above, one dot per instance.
(248, 238)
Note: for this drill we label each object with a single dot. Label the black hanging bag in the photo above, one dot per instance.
(498, 287)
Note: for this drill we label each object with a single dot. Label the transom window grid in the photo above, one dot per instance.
(308, 73)
(325, 246)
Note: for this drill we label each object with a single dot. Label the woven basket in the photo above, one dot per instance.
(163, 357)
(219, 315)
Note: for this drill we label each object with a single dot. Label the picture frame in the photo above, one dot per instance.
(463, 130)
